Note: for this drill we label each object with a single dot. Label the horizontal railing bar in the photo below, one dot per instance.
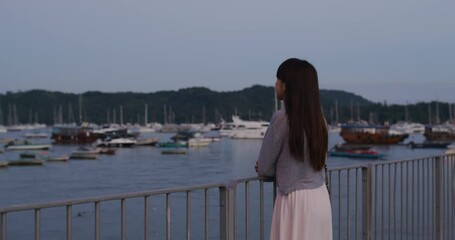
(25, 207)
(231, 185)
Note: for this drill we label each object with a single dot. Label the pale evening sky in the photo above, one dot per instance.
(397, 51)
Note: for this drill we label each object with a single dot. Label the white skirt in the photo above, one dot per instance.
(301, 215)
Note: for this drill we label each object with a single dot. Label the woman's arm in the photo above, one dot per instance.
(271, 145)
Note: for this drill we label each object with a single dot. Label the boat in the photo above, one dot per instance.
(3, 164)
(75, 134)
(34, 162)
(25, 145)
(429, 144)
(62, 158)
(84, 153)
(169, 151)
(198, 142)
(355, 151)
(242, 129)
(370, 134)
(107, 151)
(408, 127)
(179, 144)
(116, 142)
(442, 132)
(147, 142)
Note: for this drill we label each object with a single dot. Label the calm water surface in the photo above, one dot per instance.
(144, 168)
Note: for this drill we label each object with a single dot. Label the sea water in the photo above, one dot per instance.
(140, 169)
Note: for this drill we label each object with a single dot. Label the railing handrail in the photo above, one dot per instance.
(230, 184)
(26, 207)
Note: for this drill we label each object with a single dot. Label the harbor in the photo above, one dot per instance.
(147, 169)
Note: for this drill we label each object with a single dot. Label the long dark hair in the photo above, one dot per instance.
(304, 112)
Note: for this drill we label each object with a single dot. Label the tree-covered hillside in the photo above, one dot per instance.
(195, 104)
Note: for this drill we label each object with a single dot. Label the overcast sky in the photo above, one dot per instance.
(397, 51)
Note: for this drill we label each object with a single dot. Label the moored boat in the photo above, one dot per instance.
(26, 146)
(179, 144)
(443, 132)
(72, 134)
(355, 151)
(147, 142)
(34, 162)
(370, 134)
(169, 151)
(116, 142)
(62, 158)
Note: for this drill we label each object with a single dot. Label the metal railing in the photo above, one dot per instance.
(407, 199)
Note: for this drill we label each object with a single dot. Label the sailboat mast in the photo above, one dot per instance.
(336, 112)
(80, 108)
(406, 113)
(145, 115)
(437, 112)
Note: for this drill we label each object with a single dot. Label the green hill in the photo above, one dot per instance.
(187, 105)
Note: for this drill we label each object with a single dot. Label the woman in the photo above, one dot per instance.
(294, 152)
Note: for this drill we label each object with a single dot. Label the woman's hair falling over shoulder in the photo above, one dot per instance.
(304, 112)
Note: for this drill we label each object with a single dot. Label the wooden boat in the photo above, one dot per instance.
(71, 134)
(370, 134)
(62, 158)
(445, 132)
(34, 162)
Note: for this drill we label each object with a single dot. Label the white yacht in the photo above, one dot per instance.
(408, 127)
(247, 129)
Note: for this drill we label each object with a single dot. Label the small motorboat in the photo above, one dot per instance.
(62, 158)
(355, 151)
(36, 135)
(107, 151)
(178, 144)
(85, 153)
(429, 144)
(26, 145)
(170, 151)
(116, 142)
(147, 142)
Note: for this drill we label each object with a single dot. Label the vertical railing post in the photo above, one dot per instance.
(367, 199)
(3, 226)
(223, 213)
(439, 204)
